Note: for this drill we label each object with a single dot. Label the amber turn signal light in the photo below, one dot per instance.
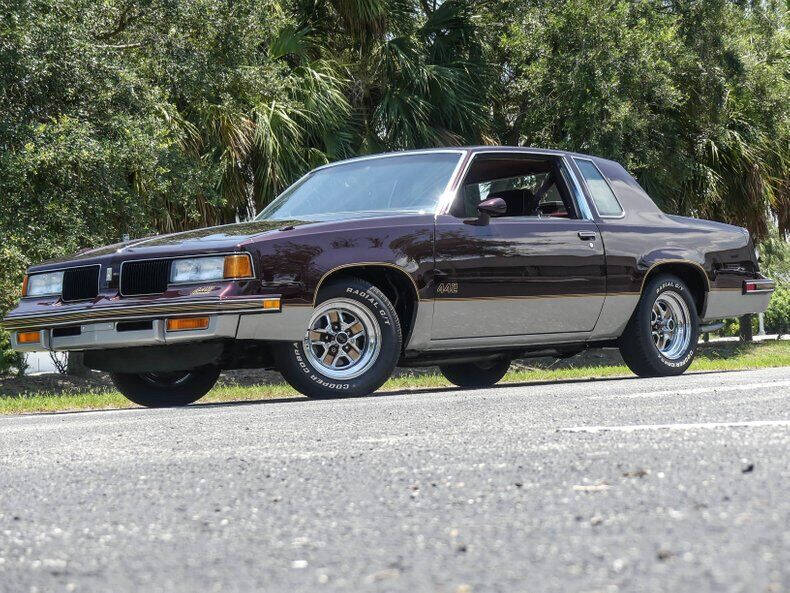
(271, 304)
(28, 337)
(238, 266)
(24, 286)
(179, 324)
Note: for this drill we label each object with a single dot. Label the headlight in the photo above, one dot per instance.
(206, 269)
(50, 283)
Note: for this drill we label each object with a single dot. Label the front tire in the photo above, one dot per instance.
(351, 345)
(661, 336)
(163, 390)
(475, 374)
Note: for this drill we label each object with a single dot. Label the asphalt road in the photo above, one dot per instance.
(622, 485)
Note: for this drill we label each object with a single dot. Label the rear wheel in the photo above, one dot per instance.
(351, 343)
(160, 390)
(475, 374)
(661, 337)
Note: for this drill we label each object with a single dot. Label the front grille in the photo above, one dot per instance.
(145, 277)
(80, 284)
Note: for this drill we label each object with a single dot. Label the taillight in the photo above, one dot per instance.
(757, 286)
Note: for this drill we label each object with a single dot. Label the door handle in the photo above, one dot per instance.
(587, 235)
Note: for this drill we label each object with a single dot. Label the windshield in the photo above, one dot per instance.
(393, 184)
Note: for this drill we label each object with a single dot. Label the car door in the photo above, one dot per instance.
(518, 274)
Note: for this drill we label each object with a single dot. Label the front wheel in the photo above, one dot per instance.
(475, 374)
(162, 390)
(351, 343)
(661, 336)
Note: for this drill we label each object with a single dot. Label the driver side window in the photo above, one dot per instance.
(530, 186)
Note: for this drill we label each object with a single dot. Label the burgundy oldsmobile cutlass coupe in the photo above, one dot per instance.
(464, 258)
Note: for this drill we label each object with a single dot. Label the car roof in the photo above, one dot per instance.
(472, 149)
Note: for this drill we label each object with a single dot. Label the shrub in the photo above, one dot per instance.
(777, 317)
(9, 360)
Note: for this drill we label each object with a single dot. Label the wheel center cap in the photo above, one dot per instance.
(341, 338)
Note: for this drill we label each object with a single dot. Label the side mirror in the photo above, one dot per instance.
(493, 207)
(488, 208)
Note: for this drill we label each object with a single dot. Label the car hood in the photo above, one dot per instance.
(224, 235)
(217, 238)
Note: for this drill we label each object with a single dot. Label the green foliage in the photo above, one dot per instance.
(9, 360)
(777, 316)
(775, 259)
(775, 263)
(690, 96)
(144, 116)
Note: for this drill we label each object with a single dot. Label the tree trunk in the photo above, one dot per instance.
(75, 367)
(746, 328)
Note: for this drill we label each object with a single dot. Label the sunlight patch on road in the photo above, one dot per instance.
(690, 426)
(694, 390)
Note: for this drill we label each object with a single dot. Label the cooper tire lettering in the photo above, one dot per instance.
(305, 377)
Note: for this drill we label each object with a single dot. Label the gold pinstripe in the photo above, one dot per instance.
(675, 261)
(363, 264)
(519, 297)
(527, 297)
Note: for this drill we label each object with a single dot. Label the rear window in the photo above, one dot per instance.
(605, 201)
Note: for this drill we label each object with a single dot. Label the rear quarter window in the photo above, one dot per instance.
(602, 195)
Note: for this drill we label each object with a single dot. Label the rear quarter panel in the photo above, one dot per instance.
(644, 238)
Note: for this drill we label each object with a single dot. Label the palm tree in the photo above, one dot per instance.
(415, 70)
(356, 76)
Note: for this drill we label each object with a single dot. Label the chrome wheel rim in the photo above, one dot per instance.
(343, 339)
(670, 325)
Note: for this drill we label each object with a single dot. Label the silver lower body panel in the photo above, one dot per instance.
(722, 304)
(492, 342)
(289, 325)
(617, 310)
(499, 317)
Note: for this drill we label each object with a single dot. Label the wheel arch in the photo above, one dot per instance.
(395, 282)
(690, 272)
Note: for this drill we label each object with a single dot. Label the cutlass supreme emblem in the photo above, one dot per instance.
(204, 289)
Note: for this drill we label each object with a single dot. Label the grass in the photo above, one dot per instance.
(712, 358)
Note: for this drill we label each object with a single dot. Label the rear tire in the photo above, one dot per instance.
(475, 374)
(354, 341)
(661, 336)
(163, 390)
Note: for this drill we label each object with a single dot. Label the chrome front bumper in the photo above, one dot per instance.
(98, 328)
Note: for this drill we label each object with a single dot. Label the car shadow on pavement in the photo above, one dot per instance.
(398, 392)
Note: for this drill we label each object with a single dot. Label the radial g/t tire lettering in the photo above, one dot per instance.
(661, 336)
(351, 345)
